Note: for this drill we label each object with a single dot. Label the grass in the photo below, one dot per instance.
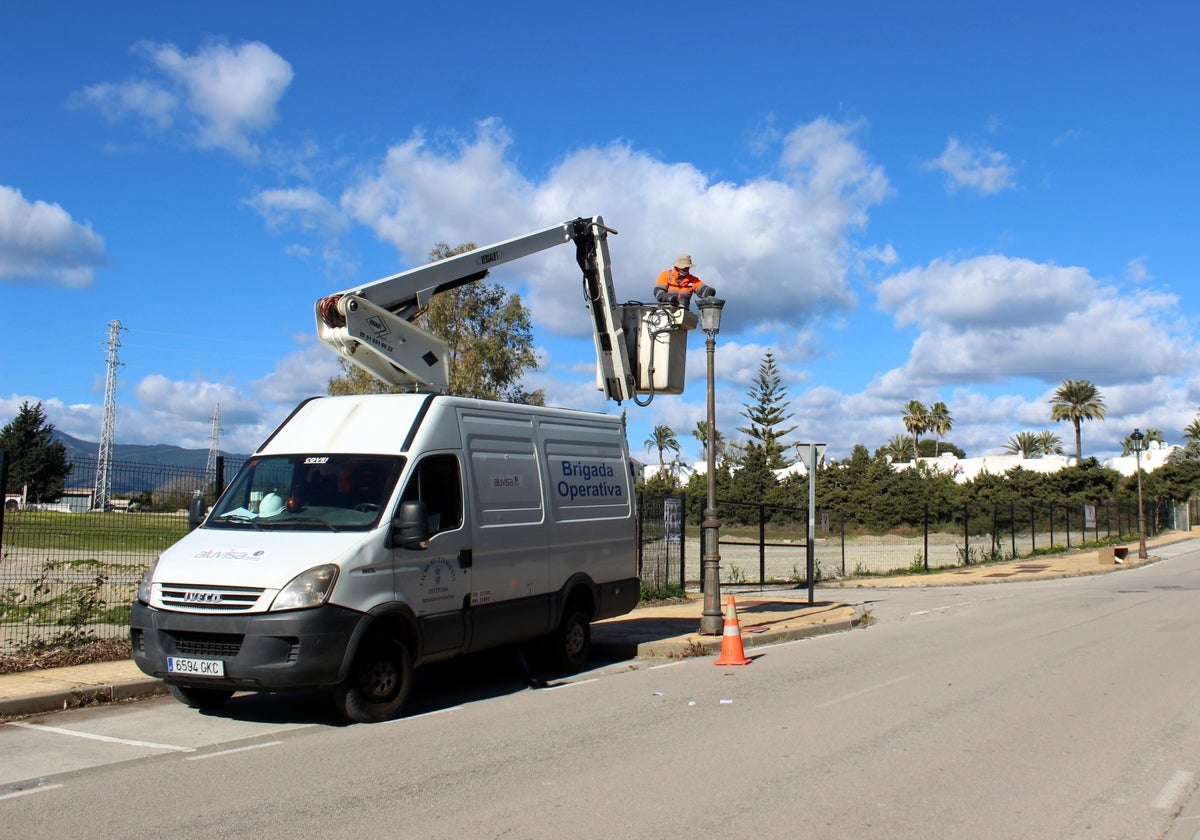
(92, 531)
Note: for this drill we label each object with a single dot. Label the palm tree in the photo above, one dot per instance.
(1077, 400)
(940, 423)
(662, 439)
(701, 434)
(916, 420)
(897, 448)
(1191, 432)
(1049, 443)
(1025, 444)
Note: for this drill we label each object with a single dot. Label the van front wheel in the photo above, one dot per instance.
(378, 683)
(571, 642)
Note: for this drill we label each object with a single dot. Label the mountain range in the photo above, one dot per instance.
(158, 454)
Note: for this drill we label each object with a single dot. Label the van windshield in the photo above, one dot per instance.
(309, 492)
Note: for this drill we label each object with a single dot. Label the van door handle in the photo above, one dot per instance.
(464, 558)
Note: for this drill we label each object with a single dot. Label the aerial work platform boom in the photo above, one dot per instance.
(371, 326)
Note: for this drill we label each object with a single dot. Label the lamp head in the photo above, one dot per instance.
(710, 314)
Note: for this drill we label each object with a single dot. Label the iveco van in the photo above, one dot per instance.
(371, 534)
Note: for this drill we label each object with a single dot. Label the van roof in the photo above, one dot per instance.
(381, 423)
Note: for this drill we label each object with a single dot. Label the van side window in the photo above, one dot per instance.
(438, 483)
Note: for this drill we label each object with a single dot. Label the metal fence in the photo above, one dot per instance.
(764, 545)
(69, 571)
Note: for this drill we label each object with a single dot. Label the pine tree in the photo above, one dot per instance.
(766, 413)
(35, 460)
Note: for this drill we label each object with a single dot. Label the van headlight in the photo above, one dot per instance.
(145, 585)
(307, 589)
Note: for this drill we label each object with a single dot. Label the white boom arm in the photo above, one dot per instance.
(370, 326)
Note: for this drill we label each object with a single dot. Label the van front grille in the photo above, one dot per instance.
(199, 598)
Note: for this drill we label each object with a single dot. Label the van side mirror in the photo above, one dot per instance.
(410, 527)
(195, 512)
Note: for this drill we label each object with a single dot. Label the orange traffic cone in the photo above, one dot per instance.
(732, 652)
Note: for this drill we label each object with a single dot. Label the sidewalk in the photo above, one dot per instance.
(654, 631)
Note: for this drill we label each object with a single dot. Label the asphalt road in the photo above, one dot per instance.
(1057, 709)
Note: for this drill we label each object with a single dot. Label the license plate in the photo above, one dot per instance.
(195, 667)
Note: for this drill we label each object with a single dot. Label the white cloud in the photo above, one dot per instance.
(780, 246)
(980, 169)
(306, 207)
(994, 318)
(221, 94)
(41, 244)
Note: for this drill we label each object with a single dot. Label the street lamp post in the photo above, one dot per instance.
(1137, 437)
(711, 621)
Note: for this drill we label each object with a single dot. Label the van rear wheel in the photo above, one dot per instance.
(378, 684)
(571, 641)
(200, 698)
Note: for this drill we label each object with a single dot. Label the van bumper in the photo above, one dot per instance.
(262, 652)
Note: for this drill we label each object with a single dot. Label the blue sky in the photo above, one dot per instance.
(933, 201)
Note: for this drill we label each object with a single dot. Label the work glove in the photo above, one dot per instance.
(705, 290)
(685, 301)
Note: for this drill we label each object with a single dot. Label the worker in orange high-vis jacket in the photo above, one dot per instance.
(677, 284)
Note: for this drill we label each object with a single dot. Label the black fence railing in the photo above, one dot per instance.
(765, 545)
(69, 568)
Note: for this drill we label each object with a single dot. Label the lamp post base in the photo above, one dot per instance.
(712, 621)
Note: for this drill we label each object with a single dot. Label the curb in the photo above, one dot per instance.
(696, 646)
(91, 695)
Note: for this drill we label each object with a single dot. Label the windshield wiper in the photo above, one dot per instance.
(309, 520)
(239, 518)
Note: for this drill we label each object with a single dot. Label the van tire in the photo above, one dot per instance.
(199, 698)
(571, 641)
(379, 682)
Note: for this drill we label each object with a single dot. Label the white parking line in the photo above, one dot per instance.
(859, 693)
(27, 791)
(1175, 787)
(569, 684)
(941, 609)
(108, 739)
(232, 751)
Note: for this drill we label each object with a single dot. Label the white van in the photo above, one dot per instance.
(371, 534)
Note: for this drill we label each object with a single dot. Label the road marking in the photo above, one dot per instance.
(108, 739)
(407, 718)
(860, 693)
(569, 684)
(666, 665)
(27, 791)
(941, 609)
(232, 751)
(1175, 787)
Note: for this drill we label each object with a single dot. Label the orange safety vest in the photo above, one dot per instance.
(677, 284)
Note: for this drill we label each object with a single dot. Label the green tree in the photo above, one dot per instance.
(766, 413)
(701, 434)
(1077, 400)
(1049, 443)
(940, 423)
(1191, 432)
(35, 460)
(1025, 444)
(663, 438)
(916, 421)
(490, 338)
(897, 449)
